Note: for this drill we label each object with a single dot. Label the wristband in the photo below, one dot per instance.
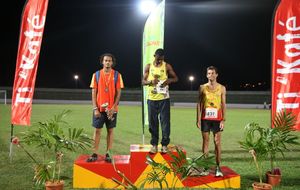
(95, 108)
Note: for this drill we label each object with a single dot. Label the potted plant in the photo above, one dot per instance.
(54, 138)
(278, 138)
(263, 143)
(254, 142)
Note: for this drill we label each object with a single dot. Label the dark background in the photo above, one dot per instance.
(233, 35)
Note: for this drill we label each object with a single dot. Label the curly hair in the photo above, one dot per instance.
(109, 55)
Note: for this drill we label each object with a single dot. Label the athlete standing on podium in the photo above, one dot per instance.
(158, 75)
(106, 87)
(211, 108)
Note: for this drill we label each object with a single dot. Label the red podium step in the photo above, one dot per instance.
(100, 174)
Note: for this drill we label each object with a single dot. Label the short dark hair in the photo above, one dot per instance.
(109, 55)
(212, 68)
(159, 52)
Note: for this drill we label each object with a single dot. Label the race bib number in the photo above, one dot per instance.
(211, 113)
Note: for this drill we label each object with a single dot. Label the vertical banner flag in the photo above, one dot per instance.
(153, 38)
(30, 39)
(286, 59)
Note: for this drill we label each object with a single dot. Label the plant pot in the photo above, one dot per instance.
(261, 186)
(56, 185)
(273, 179)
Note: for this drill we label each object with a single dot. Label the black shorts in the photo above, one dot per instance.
(98, 122)
(210, 125)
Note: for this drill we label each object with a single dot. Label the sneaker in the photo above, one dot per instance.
(218, 172)
(92, 158)
(153, 149)
(204, 172)
(107, 158)
(164, 149)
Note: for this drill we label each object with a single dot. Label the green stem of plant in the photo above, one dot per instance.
(59, 158)
(28, 154)
(54, 170)
(272, 162)
(257, 167)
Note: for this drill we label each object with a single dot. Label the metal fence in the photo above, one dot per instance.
(128, 95)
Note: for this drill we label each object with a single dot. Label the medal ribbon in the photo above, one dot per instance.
(108, 81)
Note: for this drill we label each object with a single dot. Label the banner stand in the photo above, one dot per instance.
(11, 145)
(153, 38)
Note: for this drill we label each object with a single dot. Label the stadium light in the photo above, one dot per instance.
(191, 79)
(76, 78)
(146, 6)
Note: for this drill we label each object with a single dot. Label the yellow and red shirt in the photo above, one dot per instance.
(212, 103)
(106, 88)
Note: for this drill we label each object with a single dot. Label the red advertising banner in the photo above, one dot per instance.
(286, 59)
(30, 40)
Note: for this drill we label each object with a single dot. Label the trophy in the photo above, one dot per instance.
(105, 106)
(154, 91)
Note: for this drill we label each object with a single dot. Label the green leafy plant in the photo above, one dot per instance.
(254, 142)
(126, 183)
(50, 137)
(180, 166)
(265, 143)
(278, 137)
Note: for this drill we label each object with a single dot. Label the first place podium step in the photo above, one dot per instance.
(100, 174)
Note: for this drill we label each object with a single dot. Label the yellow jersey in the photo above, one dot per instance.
(157, 92)
(212, 103)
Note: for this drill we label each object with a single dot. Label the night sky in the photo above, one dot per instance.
(233, 35)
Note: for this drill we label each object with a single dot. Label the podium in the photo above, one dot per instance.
(100, 174)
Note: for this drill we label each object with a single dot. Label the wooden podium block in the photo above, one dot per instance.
(99, 174)
(230, 180)
(138, 155)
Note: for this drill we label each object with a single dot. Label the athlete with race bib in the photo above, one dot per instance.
(211, 109)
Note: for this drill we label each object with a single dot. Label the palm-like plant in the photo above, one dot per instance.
(184, 166)
(50, 137)
(280, 136)
(254, 142)
(158, 173)
(267, 142)
(181, 166)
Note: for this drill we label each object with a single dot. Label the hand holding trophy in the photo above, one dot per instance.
(155, 82)
(108, 112)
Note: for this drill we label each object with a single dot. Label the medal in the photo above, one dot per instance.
(106, 90)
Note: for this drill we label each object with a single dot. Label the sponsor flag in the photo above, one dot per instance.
(286, 59)
(30, 40)
(153, 38)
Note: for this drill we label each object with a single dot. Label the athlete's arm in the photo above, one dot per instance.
(172, 77)
(94, 101)
(223, 102)
(145, 76)
(223, 107)
(199, 107)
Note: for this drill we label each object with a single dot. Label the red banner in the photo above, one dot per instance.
(30, 40)
(286, 59)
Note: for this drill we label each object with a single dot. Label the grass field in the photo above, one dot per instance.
(18, 174)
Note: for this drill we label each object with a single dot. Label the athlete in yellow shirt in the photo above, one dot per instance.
(211, 109)
(158, 75)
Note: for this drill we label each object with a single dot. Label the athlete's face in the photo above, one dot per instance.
(107, 61)
(211, 75)
(158, 59)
